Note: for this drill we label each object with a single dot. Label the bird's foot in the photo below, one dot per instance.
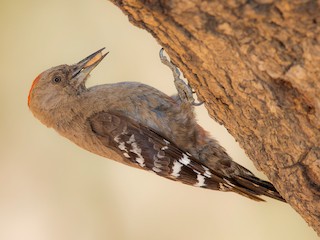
(184, 90)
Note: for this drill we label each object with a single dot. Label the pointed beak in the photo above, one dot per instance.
(82, 69)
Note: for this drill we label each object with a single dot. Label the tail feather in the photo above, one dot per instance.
(259, 187)
(247, 186)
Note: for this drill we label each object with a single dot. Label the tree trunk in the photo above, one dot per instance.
(256, 65)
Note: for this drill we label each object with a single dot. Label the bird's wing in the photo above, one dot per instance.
(147, 149)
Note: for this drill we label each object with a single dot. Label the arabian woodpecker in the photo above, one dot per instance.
(140, 126)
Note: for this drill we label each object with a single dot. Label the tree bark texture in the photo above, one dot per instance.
(256, 65)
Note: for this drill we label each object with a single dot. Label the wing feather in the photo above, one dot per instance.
(149, 150)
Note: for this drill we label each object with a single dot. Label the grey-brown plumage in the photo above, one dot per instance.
(139, 126)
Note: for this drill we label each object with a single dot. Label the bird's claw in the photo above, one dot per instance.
(185, 91)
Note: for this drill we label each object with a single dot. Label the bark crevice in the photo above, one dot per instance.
(256, 65)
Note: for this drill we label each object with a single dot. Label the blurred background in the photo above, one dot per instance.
(52, 189)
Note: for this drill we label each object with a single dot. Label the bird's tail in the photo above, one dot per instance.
(240, 180)
(257, 187)
(249, 186)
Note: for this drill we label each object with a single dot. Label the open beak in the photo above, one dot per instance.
(82, 69)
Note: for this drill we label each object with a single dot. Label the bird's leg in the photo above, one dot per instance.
(184, 90)
(206, 149)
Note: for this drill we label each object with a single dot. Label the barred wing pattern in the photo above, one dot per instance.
(148, 150)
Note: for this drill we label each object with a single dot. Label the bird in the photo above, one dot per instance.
(137, 125)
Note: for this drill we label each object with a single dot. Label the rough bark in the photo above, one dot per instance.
(256, 65)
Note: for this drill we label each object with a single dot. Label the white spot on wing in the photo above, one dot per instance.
(167, 142)
(200, 179)
(131, 139)
(185, 160)
(207, 172)
(122, 146)
(229, 183)
(155, 169)
(164, 148)
(227, 186)
(135, 149)
(159, 155)
(176, 168)
(116, 138)
(157, 163)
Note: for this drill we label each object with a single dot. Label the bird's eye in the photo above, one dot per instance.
(56, 79)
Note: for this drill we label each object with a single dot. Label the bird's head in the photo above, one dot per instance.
(57, 85)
